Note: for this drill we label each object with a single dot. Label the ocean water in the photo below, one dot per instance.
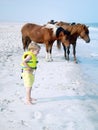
(93, 30)
(95, 25)
(90, 56)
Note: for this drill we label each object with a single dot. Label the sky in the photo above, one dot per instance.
(41, 11)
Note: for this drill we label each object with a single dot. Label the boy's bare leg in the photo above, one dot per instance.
(28, 95)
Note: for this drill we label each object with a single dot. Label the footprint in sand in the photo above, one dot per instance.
(37, 115)
(45, 128)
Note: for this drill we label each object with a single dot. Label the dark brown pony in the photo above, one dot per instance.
(44, 35)
(76, 30)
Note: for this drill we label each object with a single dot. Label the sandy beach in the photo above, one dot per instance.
(66, 92)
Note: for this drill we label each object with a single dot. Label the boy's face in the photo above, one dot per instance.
(36, 51)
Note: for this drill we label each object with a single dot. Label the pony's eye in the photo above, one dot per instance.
(87, 32)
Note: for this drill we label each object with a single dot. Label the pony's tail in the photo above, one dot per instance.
(26, 41)
(58, 44)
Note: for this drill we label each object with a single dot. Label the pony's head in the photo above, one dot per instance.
(84, 32)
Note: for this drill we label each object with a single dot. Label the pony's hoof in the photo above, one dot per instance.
(49, 60)
(76, 61)
(67, 59)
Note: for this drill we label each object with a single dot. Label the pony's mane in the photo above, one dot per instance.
(61, 23)
(77, 28)
(82, 26)
(63, 30)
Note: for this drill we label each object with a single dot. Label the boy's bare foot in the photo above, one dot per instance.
(28, 102)
(33, 100)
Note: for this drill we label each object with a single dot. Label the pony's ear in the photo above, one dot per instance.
(85, 26)
(73, 23)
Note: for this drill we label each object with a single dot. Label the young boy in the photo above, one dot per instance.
(29, 65)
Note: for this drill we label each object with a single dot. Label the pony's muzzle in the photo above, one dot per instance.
(88, 40)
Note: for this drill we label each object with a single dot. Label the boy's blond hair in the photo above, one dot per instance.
(33, 46)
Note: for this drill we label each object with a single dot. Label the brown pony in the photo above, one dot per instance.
(44, 35)
(76, 30)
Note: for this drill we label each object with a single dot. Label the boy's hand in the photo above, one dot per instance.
(29, 69)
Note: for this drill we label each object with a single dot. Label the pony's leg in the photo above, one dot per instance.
(47, 56)
(28, 42)
(24, 42)
(64, 47)
(49, 52)
(68, 52)
(74, 52)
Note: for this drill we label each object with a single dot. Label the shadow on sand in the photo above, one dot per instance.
(61, 98)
